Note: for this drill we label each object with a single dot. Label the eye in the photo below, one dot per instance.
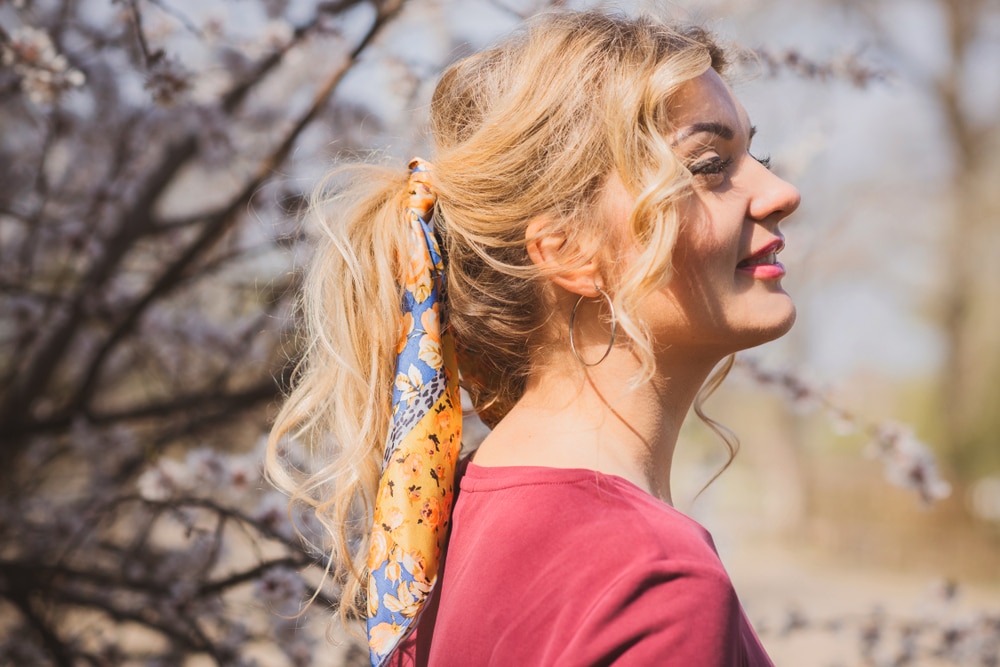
(711, 166)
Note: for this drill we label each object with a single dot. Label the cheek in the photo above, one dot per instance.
(702, 250)
(698, 282)
(713, 234)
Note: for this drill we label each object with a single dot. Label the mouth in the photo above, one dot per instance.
(764, 263)
(766, 255)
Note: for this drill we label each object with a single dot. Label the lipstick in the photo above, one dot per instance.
(764, 264)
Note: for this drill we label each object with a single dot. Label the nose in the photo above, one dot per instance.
(774, 197)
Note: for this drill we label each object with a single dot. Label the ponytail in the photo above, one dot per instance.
(350, 307)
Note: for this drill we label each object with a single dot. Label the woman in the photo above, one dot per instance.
(593, 238)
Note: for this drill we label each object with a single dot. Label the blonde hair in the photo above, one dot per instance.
(531, 127)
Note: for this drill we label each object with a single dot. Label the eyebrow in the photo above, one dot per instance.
(720, 129)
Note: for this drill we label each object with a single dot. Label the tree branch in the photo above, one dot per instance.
(134, 222)
(209, 401)
(218, 225)
(20, 596)
(254, 573)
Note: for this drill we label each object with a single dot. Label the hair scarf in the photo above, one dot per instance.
(416, 489)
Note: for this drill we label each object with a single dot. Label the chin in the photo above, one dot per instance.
(776, 324)
(786, 323)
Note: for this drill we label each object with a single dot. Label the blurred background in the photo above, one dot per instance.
(154, 159)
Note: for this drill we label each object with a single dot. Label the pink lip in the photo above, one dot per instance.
(764, 271)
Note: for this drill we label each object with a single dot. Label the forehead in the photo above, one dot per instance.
(707, 99)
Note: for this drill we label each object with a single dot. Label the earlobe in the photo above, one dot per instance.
(567, 265)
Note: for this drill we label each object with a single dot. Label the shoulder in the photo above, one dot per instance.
(611, 573)
(566, 509)
(584, 537)
(667, 612)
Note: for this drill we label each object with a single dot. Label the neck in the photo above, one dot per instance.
(576, 417)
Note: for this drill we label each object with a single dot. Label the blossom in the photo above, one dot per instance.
(908, 462)
(162, 481)
(281, 588)
(208, 468)
(242, 475)
(45, 73)
(167, 80)
(272, 515)
(276, 34)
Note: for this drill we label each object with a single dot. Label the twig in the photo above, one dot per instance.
(149, 58)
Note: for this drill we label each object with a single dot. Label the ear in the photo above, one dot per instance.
(551, 251)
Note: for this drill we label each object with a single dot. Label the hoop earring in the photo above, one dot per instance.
(572, 323)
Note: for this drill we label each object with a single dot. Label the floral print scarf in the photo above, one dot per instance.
(416, 490)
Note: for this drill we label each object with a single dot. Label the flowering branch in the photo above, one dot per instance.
(45, 73)
(848, 67)
(907, 462)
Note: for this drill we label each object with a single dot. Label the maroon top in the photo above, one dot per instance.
(552, 566)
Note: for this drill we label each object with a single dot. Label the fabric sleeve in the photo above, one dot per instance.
(664, 613)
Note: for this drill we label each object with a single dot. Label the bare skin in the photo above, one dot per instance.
(715, 304)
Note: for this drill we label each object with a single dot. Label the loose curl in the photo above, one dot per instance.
(532, 127)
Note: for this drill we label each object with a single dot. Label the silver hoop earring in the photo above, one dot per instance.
(572, 323)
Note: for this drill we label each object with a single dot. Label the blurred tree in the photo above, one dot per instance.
(960, 84)
(145, 241)
(972, 285)
(100, 270)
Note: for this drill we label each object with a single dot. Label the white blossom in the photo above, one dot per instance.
(168, 81)
(45, 73)
(272, 515)
(842, 422)
(208, 469)
(163, 481)
(908, 463)
(281, 589)
(243, 475)
(276, 34)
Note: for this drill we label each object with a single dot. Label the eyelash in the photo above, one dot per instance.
(766, 160)
(718, 165)
(715, 165)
